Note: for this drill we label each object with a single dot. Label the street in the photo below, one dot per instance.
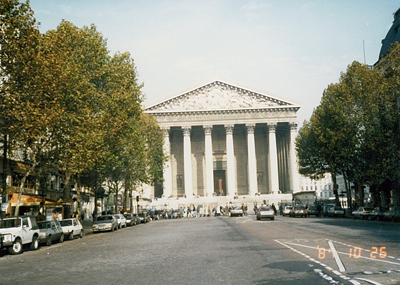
(219, 250)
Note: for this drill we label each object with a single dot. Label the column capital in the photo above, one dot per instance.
(272, 127)
(229, 129)
(250, 128)
(293, 126)
(186, 130)
(207, 130)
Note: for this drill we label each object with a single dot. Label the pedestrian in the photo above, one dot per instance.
(273, 208)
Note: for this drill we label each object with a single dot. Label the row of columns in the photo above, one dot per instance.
(231, 181)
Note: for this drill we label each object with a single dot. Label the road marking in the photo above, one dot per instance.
(320, 263)
(346, 253)
(369, 281)
(337, 258)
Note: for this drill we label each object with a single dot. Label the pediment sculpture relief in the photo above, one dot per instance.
(217, 96)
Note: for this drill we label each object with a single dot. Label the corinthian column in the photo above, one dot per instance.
(294, 175)
(252, 163)
(167, 171)
(209, 160)
(187, 162)
(230, 161)
(273, 159)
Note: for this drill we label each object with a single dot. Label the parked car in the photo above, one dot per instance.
(130, 219)
(17, 232)
(325, 209)
(336, 211)
(236, 211)
(50, 231)
(121, 220)
(378, 213)
(362, 212)
(298, 211)
(144, 217)
(71, 228)
(393, 214)
(265, 212)
(313, 210)
(105, 223)
(286, 210)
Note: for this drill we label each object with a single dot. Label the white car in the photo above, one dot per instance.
(286, 211)
(71, 228)
(265, 212)
(121, 220)
(236, 211)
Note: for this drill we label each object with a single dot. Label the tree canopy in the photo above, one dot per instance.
(354, 131)
(72, 106)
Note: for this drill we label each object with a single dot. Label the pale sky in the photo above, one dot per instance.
(290, 48)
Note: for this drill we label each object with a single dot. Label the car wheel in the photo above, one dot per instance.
(61, 238)
(48, 241)
(71, 236)
(81, 234)
(35, 243)
(113, 229)
(16, 248)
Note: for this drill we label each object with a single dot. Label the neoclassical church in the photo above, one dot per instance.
(223, 139)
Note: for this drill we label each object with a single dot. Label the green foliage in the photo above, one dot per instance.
(71, 105)
(355, 129)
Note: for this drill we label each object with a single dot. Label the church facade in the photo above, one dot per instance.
(226, 140)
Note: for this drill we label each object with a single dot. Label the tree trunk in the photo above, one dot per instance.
(67, 193)
(22, 185)
(5, 169)
(78, 200)
(348, 192)
(335, 188)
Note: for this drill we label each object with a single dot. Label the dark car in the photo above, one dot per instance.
(298, 211)
(325, 209)
(144, 217)
(336, 211)
(130, 219)
(314, 210)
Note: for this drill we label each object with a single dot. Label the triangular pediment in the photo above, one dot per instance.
(219, 95)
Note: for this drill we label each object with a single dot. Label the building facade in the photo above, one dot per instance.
(223, 139)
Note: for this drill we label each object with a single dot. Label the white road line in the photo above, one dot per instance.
(369, 281)
(320, 263)
(337, 258)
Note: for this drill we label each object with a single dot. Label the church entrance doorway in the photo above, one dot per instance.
(219, 182)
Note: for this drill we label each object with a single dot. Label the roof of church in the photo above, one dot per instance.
(219, 95)
(392, 36)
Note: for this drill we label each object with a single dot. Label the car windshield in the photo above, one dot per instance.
(104, 218)
(44, 225)
(299, 208)
(10, 223)
(265, 209)
(66, 223)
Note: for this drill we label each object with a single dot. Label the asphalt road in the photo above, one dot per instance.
(219, 250)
